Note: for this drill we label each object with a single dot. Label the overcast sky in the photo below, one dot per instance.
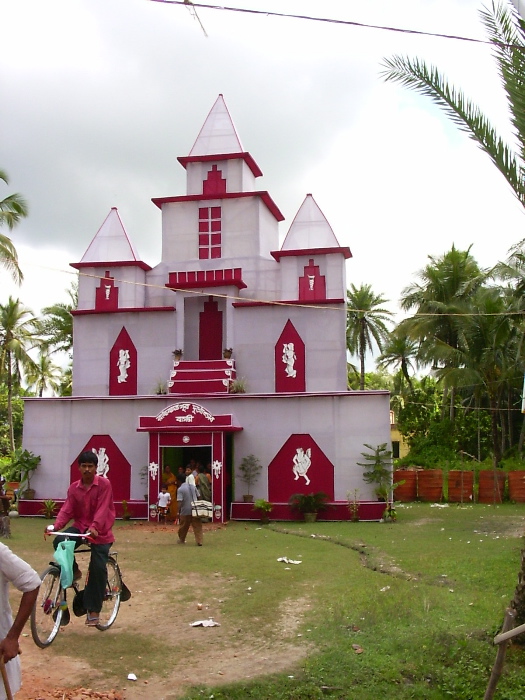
(99, 97)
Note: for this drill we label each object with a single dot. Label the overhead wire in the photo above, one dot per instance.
(329, 20)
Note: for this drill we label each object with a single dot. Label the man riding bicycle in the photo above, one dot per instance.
(89, 503)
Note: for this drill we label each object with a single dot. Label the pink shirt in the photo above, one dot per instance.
(89, 507)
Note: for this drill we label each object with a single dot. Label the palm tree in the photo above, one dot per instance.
(506, 32)
(56, 328)
(44, 374)
(365, 323)
(401, 353)
(440, 300)
(12, 209)
(17, 336)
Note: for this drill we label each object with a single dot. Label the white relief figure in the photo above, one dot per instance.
(311, 281)
(103, 461)
(107, 287)
(153, 469)
(301, 463)
(217, 468)
(289, 358)
(123, 364)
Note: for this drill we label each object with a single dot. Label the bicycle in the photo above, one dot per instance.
(51, 610)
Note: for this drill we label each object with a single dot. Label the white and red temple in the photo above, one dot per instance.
(222, 282)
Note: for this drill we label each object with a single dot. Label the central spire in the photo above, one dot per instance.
(218, 135)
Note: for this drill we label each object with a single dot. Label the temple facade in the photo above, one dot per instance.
(231, 345)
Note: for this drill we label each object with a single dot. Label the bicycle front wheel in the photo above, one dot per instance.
(111, 603)
(46, 614)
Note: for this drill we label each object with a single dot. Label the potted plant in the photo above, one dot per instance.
(378, 470)
(177, 354)
(227, 353)
(265, 508)
(237, 386)
(309, 504)
(126, 513)
(353, 505)
(250, 468)
(24, 463)
(49, 508)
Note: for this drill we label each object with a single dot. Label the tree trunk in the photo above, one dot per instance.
(5, 526)
(10, 402)
(496, 447)
(518, 601)
(362, 355)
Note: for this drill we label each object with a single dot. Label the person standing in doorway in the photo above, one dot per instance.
(186, 495)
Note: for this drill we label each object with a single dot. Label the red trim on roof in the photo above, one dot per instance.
(184, 160)
(114, 263)
(342, 250)
(301, 302)
(159, 201)
(122, 310)
(198, 279)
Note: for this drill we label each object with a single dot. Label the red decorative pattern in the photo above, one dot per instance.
(290, 374)
(123, 366)
(312, 285)
(106, 294)
(283, 482)
(215, 184)
(119, 471)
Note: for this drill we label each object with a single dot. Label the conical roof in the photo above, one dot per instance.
(218, 134)
(111, 243)
(309, 229)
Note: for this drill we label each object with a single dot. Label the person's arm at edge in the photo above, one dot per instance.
(9, 647)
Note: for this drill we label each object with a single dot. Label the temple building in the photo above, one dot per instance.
(232, 345)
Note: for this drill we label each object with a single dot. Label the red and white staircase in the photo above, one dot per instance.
(201, 377)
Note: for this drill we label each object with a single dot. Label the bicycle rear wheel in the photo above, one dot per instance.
(111, 603)
(46, 614)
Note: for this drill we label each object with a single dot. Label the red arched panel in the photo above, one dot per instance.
(123, 366)
(300, 466)
(111, 463)
(290, 363)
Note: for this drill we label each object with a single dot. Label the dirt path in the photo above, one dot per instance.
(231, 654)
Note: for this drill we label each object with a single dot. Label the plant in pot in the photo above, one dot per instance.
(250, 469)
(378, 470)
(24, 463)
(309, 504)
(265, 508)
(49, 508)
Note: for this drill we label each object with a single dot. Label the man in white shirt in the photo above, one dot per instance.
(16, 571)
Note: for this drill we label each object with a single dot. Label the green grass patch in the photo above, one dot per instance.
(404, 610)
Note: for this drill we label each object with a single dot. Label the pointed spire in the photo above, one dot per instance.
(218, 134)
(111, 243)
(309, 229)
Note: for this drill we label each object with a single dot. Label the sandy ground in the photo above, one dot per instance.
(231, 654)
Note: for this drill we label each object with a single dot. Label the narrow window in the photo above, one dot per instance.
(210, 235)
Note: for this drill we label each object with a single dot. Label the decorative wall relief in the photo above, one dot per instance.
(300, 466)
(106, 294)
(290, 363)
(302, 461)
(103, 461)
(112, 464)
(123, 366)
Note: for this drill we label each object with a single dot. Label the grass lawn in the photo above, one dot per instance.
(402, 610)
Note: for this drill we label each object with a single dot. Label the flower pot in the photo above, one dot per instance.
(310, 517)
(247, 498)
(491, 486)
(29, 494)
(430, 485)
(408, 491)
(517, 486)
(460, 486)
